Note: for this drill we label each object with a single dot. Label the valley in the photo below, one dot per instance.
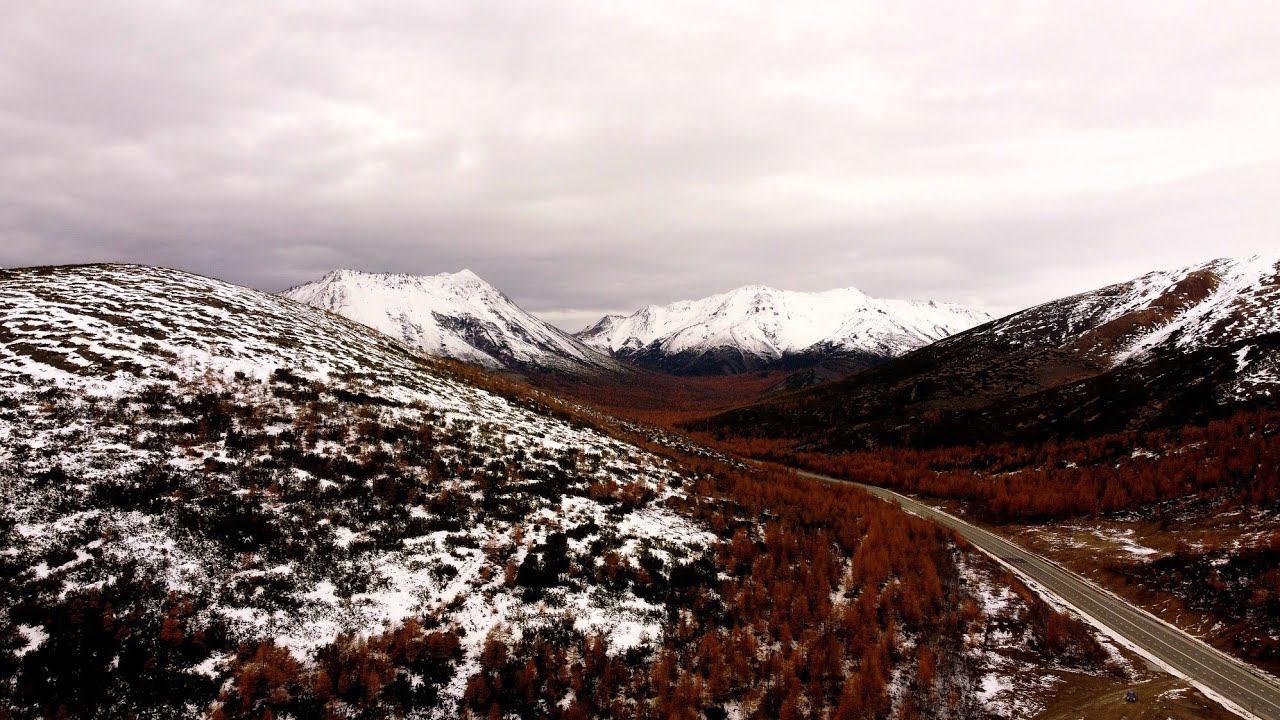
(270, 510)
(570, 360)
(393, 495)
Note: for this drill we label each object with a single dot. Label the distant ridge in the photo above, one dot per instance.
(758, 327)
(1170, 347)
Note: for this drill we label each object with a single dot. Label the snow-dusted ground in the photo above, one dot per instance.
(120, 385)
(1110, 540)
(1011, 686)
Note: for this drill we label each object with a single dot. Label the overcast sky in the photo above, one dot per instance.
(594, 156)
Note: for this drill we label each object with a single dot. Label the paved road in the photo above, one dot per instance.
(1238, 683)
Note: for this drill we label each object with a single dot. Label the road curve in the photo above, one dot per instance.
(1239, 686)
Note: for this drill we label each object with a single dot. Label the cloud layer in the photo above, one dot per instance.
(588, 156)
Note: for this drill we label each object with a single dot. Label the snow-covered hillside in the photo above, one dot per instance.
(755, 325)
(256, 470)
(1214, 304)
(454, 315)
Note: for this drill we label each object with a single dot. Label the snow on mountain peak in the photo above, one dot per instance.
(456, 315)
(1210, 304)
(1222, 301)
(767, 324)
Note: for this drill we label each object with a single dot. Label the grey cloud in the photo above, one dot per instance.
(591, 156)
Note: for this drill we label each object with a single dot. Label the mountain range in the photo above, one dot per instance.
(1164, 345)
(1169, 347)
(813, 336)
(757, 327)
(219, 502)
(223, 502)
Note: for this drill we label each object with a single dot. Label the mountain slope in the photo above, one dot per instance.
(218, 502)
(757, 327)
(259, 471)
(1169, 347)
(457, 316)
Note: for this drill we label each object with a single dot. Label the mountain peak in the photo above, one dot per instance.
(1191, 307)
(753, 290)
(456, 315)
(1198, 342)
(466, 275)
(463, 275)
(756, 325)
(340, 273)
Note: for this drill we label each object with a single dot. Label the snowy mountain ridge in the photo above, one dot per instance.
(1206, 305)
(761, 324)
(1170, 347)
(454, 315)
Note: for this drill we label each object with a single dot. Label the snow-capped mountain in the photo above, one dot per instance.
(756, 326)
(454, 315)
(1170, 347)
(1213, 304)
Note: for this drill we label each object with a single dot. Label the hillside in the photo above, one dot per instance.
(1130, 433)
(458, 316)
(218, 502)
(262, 470)
(761, 328)
(1168, 348)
